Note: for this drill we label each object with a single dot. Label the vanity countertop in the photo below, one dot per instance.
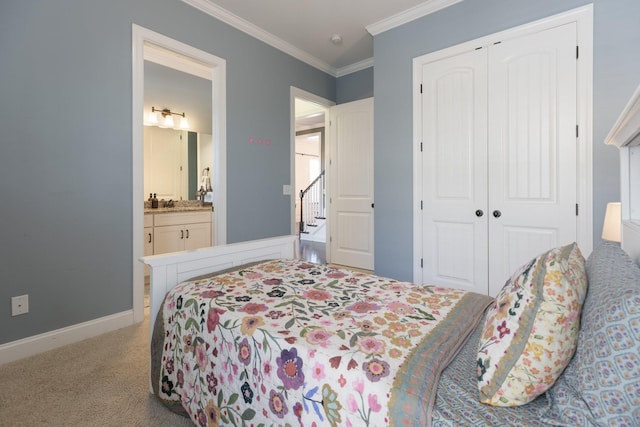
(180, 206)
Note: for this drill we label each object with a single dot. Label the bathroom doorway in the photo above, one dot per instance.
(143, 41)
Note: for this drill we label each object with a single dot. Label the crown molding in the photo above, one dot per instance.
(247, 27)
(358, 66)
(409, 15)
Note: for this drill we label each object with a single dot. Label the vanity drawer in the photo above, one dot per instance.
(180, 218)
(148, 220)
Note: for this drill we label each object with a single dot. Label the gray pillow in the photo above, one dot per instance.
(601, 384)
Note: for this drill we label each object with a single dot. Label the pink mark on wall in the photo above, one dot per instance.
(259, 141)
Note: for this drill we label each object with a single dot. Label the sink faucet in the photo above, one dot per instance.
(200, 195)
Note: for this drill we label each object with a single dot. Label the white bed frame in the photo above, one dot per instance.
(167, 270)
(625, 135)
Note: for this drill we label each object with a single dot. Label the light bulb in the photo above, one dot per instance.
(168, 121)
(184, 123)
(152, 118)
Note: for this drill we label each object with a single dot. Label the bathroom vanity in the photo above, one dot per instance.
(177, 229)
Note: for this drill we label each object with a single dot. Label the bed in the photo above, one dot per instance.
(243, 334)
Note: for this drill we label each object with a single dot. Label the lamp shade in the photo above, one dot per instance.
(612, 222)
(152, 118)
(184, 123)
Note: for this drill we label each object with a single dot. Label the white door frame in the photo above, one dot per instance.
(307, 96)
(217, 67)
(583, 17)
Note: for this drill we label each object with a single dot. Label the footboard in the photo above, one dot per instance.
(167, 270)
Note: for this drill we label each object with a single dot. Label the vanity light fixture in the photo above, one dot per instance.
(168, 118)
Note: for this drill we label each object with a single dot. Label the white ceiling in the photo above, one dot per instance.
(303, 28)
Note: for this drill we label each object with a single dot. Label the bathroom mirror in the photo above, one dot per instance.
(174, 161)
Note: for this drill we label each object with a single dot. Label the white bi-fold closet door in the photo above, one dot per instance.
(499, 164)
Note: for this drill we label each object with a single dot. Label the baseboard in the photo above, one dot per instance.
(30, 346)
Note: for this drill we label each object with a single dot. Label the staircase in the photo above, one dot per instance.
(315, 232)
(312, 211)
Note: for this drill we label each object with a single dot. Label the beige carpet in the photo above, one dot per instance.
(102, 381)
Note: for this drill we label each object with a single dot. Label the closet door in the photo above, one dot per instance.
(499, 158)
(531, 148)
(454, 181)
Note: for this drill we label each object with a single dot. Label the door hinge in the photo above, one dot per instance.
(421, 147)
(421, 205)
(420, 87)
(421, 262)
(577, 209)
(577, 131)
(577, 52)
(330, 239)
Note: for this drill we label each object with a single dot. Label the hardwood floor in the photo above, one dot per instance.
(312, 251)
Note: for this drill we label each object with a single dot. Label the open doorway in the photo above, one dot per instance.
(310, 171)
(215, 70)
(308, 154)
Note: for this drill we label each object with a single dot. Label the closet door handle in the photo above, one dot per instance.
(497, 214)
(149, 237)
(187, 233)
(479, 213)
(181, 234)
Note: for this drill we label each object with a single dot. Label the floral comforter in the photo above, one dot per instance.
(287, 342)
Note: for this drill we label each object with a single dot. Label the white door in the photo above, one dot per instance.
(350, 181)
(532, 148)
(455, 172)
(499, 158)
(165, 153)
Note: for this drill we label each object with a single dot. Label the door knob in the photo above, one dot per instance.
(497, 214)
(479, 213)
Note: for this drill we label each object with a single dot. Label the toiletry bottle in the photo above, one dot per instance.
(154, 201)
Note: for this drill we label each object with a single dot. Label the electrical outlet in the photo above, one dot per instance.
(19, 305)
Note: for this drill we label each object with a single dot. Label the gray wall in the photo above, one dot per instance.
(355, 86)
(616, 74)
(65, 154)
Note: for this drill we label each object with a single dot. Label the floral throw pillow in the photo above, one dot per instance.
(530, 333)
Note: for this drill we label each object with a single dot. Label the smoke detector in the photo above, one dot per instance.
(336, 39)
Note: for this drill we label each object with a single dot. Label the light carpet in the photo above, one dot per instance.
(102, 381)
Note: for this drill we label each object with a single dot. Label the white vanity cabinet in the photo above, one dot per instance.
(180, 231)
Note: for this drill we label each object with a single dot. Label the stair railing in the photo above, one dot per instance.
(312, 203)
